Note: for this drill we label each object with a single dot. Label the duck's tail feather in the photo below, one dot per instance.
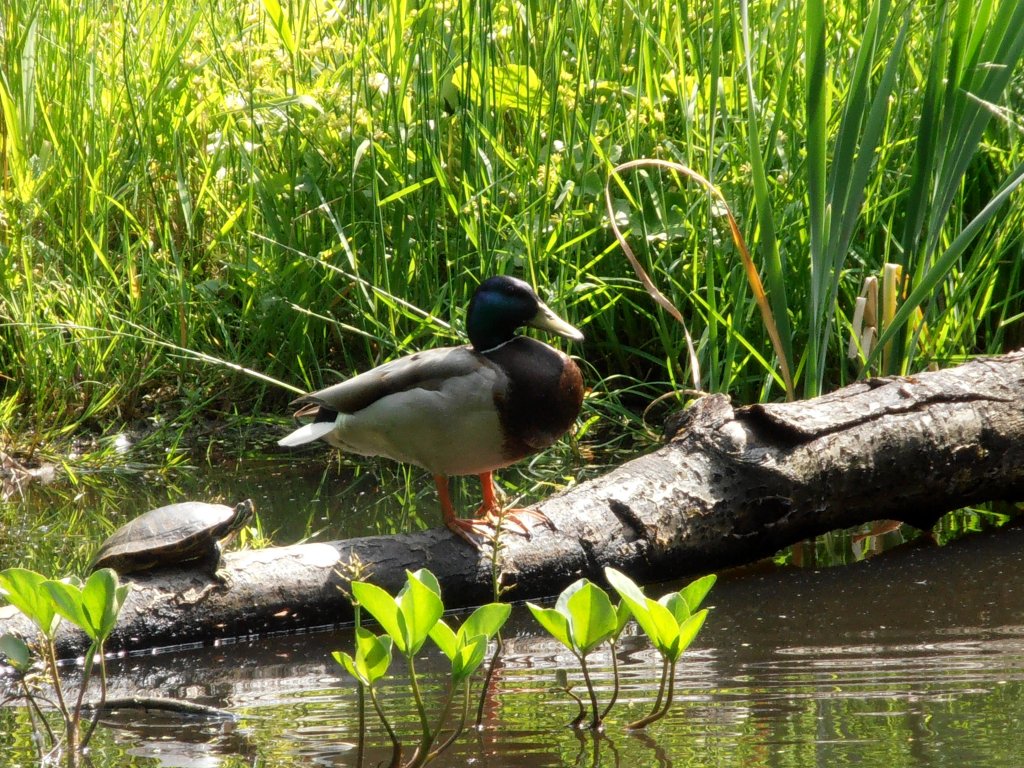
(307, 434)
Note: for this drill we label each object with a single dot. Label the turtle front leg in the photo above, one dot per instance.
(209, 562)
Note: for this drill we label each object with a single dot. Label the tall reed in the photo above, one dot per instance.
(297, 190)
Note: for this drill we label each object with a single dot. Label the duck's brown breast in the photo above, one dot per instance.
(542, 397)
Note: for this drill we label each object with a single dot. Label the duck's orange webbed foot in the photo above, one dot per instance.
(520, 520)
(490, 517)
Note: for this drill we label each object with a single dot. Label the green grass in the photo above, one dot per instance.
(209, 206)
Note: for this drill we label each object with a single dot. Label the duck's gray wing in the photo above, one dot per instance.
(422, 370)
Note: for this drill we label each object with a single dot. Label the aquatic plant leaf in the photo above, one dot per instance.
(667, 628)
(349, 665)
(92, 606)
(695, 592)
(67, 600)
(486, 620)
(16, 652)
(688, 632)
(372, 657)
(634, 598)
(592, 617)
(555, 622)
(384, 608)
(373, 653)
(469, 657)
(677, 605)
(23, 589)
(420, 608)
(624, 585)
(444, 637)
(102, 598)
(622, 614)
(428, 579)
(562, 603)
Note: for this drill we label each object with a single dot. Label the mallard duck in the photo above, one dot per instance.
(465, 410)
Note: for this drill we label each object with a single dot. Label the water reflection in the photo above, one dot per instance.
(915, 658)
(177, 741)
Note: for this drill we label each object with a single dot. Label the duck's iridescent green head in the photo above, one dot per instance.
(501, 304)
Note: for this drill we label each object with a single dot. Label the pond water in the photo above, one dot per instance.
(915, 658)
(912, 658)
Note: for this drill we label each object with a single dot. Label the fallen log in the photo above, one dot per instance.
(730, 486)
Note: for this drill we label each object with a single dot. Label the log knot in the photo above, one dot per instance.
(630, 520)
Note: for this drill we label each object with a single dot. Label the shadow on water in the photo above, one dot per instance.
(914, 658)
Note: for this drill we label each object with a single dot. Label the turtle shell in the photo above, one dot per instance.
(171, 535)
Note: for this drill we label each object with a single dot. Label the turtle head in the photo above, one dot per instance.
(243, 514)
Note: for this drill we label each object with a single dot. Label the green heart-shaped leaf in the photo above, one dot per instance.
(556, 623)
(562, 603)
(384, 608)
(420, 607)
(102, 598)
(688, 632)
(24, 590)
(17, 652)
(349, 664)
(592, 617)
(635, 600)
(428, 579)
(486, 620)
(469, 657)
(444, 637)
(695, 592)
(622, 614)
(373, 653)
(677, 605)
(666, 627)
(67, 600)
(372, 658)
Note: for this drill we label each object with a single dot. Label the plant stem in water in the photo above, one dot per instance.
(103, 697)
(615, 682)
(595, 720)
(426, 737)
(487, 683)
(459, 728)
(396, 745)
(659, 710)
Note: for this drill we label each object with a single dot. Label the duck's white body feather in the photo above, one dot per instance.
(434, 409)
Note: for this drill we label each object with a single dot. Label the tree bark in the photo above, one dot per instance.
(730, 486)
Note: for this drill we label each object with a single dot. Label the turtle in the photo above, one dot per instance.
(187, 533)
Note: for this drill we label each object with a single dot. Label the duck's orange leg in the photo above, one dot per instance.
(465, 529)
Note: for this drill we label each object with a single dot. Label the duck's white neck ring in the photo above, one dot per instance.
(496, 347)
